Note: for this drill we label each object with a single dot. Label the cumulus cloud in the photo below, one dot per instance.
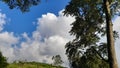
(47, 40)
(6, 42)
(50, 25)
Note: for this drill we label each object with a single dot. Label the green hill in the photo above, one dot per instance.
(32, 65)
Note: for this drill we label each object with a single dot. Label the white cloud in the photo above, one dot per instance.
(6, 42)
(50, 25)
(7, 37)
(2, 20)
(47, 40)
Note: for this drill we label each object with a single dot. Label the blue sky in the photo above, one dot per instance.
(40, 33)
(23, 22)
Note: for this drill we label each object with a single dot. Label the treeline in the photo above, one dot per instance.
(25, 64)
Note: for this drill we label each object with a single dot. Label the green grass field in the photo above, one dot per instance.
(31, 65)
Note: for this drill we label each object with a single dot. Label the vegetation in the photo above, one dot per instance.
(31, 65)
(93, 21)
(3, 61)
(57, 60)
(23, 5)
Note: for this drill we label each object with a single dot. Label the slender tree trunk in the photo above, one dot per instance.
(110, 39)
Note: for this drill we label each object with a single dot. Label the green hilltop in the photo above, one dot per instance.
(32, 65)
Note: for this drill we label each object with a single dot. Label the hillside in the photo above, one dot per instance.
(31, 65)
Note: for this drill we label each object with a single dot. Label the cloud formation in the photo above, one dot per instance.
(47, 40)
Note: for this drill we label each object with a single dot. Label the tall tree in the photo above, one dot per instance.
(110, 40)
(90, 17)
(23, 5)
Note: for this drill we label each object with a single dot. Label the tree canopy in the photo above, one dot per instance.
(23, 5)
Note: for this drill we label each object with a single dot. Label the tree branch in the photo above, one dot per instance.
(100, 55)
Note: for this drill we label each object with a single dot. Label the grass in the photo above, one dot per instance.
(31, 65)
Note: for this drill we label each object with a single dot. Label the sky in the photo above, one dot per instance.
(39, 34)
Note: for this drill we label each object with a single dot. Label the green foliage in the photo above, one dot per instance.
(3, 61)
(57, 60)
(91, 61)
(23, 5)
(89, 18)
(90, 57)
(31, 65)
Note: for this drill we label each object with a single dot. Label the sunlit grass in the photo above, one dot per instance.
(31, 65)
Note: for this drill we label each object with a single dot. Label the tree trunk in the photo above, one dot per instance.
(110, 39)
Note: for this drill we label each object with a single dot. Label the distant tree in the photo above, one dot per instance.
(3, 61)
(57, 60)
(23, 5)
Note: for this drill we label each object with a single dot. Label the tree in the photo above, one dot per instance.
(57, 60)
(110, 39)
(88, 28)
(3, 61)
(23, 5)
